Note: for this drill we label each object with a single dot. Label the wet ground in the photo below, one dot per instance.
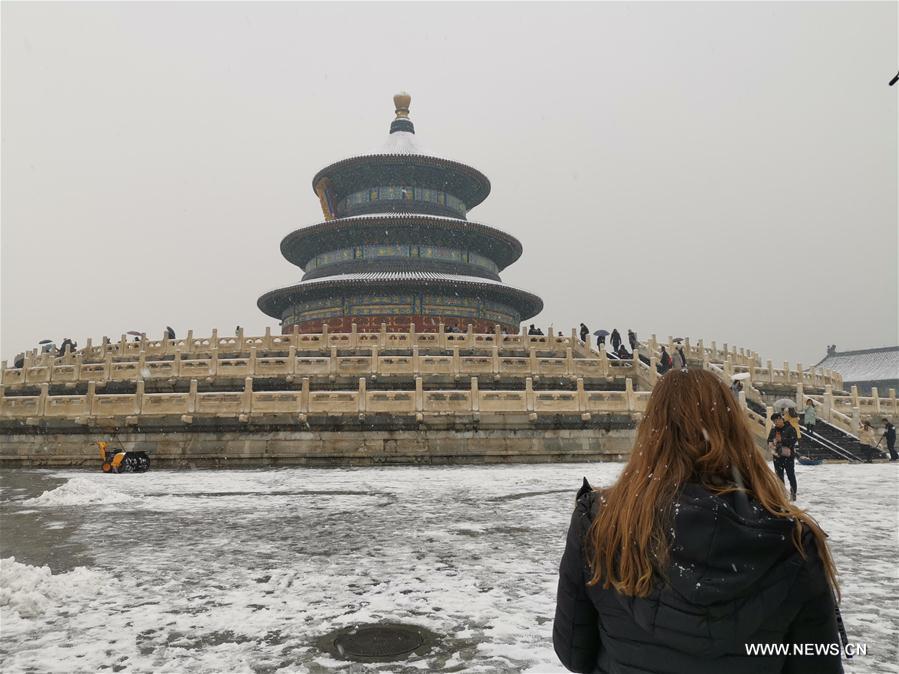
(213, 571)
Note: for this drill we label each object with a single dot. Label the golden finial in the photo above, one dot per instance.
(401, 101)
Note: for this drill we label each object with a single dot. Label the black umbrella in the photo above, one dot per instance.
(601, 333)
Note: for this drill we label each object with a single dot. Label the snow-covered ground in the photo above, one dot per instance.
(238, 571)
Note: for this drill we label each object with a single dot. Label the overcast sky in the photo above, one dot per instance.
(716, 170)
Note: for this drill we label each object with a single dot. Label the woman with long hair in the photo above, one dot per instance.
(695, 560)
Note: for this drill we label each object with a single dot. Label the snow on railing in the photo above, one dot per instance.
(295, 364)
(142, 407)
(89, 362)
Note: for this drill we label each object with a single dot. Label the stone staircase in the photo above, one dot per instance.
(828, 436)
(828, 442)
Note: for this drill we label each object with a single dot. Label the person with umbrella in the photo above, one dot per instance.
(67, 344)
(681, 355)
(601, 339)
(782, 441)
(664, 361)
(615, 339)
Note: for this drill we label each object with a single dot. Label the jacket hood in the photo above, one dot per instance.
(730, 568)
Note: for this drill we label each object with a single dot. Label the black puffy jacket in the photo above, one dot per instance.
(734, 578)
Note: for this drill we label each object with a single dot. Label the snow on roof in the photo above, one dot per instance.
(401, 142)
(368, 277)
(400, 214)
(401, 276)
(865, 364)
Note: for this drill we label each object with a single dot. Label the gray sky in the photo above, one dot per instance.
(724, 170)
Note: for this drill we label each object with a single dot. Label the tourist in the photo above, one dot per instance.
(682, 356)
(67, 345)
(889, 434)
(810, 417)
(791, 417)
(867, 437)
(615, 340)
(622, 352)
(19, 361)
(237, 331)
(169, 333)
(601, 342)
(694, 553)
(664, 361)
(632, 340)
(783, 441)
(585, 333)
(736, 387)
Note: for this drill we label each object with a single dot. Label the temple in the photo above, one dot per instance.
(396, 248)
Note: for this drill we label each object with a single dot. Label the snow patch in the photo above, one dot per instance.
(31, 591)
(81, 491)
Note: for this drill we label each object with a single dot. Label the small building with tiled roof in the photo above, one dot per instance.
(865, 368)
(396, 248)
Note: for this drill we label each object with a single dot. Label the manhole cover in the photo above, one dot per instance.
(379, 642)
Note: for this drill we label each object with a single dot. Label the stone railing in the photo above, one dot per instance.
(758, 426)
(246, 405)
(787, 376)
(298, 354)
(383, 340)
(294, 364)
(321, 342)
(826, 412)
(699, 352)
(850, 410)
(744, 360)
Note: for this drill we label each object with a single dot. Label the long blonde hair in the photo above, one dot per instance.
(693, 431)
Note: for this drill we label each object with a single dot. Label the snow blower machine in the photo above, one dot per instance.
(117, 460)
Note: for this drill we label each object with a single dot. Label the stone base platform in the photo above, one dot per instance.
(256, 447)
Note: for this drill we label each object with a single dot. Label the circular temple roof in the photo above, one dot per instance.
(415, 170)
(274, 302)
(303, 244)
